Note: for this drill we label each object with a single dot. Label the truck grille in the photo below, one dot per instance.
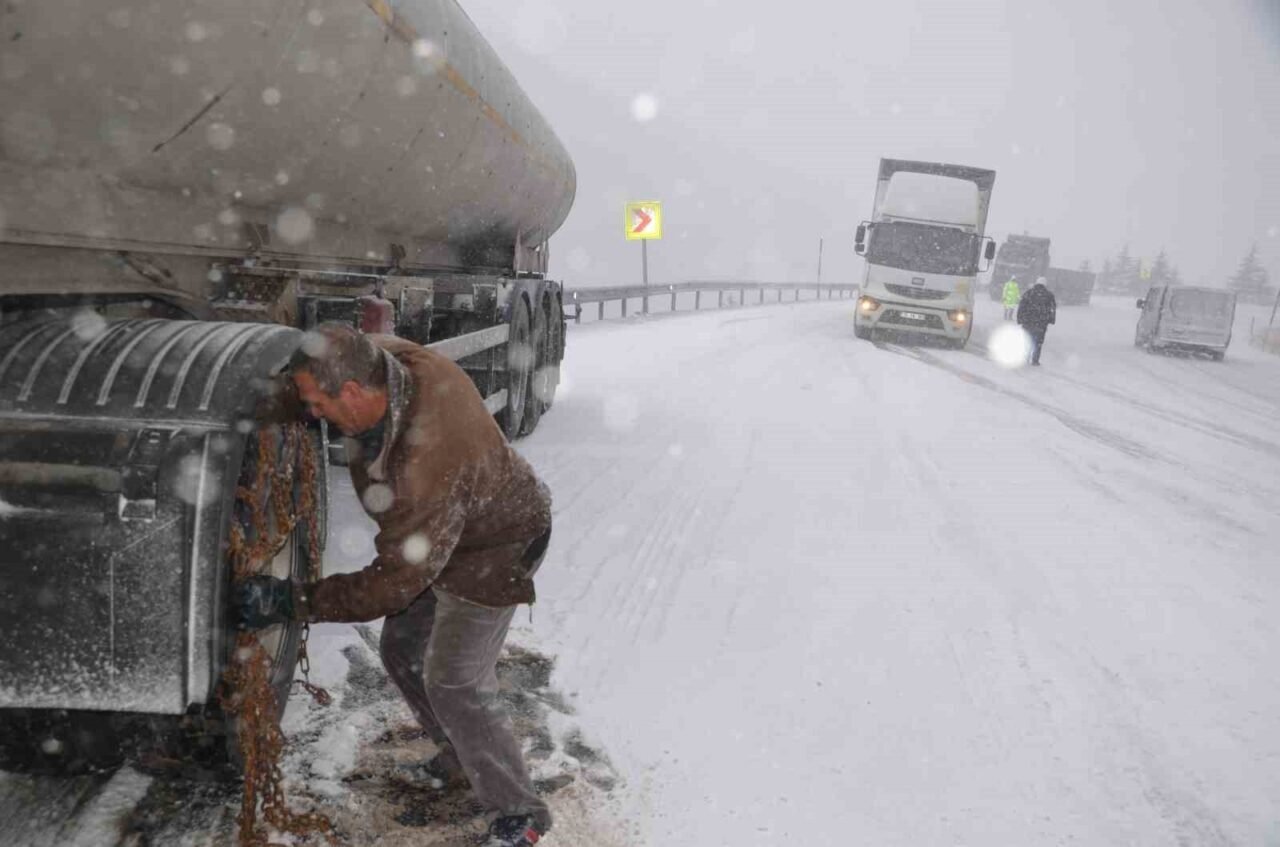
(916, 293)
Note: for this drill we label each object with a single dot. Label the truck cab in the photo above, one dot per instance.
(923, 247)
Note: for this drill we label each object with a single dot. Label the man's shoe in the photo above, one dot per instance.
(513, 831)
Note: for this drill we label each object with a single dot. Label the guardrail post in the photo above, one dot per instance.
(720, 299)
(624, 305)
(601, 310)
(760, 302)
(673, 298)
(697, 300)
(646, 305)
(577, 312)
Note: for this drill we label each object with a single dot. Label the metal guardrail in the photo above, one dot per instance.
(577, 298)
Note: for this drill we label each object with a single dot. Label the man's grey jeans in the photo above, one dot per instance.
(441, 652)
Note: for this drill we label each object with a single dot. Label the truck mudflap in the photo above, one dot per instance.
(120, 448)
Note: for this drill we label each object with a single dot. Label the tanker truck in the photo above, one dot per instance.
(185, 187)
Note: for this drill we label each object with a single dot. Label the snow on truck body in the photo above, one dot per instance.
(923, 246)
(185, 186)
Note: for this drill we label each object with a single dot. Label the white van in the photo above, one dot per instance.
(1184, 317)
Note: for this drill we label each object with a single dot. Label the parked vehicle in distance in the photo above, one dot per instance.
(1070, 287)
(1184, 317)
(1024, 257)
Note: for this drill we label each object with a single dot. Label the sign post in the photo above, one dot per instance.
(643, 222)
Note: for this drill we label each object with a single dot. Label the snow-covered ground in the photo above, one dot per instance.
(804, 588)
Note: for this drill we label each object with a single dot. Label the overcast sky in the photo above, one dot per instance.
(1155, 122)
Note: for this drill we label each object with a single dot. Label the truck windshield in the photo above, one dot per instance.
(1189, 305)
(923, 248)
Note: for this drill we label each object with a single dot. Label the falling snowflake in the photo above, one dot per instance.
(87, 324)
(1009, 346)
(314, 345)
(378, 498)
(295, 225)
(644, 107)
(271, 96)
(220, 136)
(416, 548)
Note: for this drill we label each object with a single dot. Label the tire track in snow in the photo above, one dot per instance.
(1088, 429)
(1173, 416)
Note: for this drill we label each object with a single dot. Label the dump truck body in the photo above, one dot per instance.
(1024, 257)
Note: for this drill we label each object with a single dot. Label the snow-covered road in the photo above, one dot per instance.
(808, 589)
(805, 589)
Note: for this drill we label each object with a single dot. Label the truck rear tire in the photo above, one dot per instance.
(520, 358)
(292, 561)
(545, 376)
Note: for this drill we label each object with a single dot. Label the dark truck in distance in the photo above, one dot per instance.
(1025, 257)
(1071, 288)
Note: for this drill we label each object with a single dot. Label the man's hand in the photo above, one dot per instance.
(261, 601)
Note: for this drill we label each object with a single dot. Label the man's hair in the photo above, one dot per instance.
(335, 353)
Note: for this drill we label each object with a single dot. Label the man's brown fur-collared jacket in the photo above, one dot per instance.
(456, 507)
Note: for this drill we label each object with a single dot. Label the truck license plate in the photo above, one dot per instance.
(912, 316)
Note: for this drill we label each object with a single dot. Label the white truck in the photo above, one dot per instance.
(924, 246)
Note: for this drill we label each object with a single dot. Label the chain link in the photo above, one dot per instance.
(247, 693)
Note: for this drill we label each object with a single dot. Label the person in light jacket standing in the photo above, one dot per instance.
(1011, 295)
(1036, 312)
(463, 525)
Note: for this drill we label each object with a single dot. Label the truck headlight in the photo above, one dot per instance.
(960, 316)
(868, 304)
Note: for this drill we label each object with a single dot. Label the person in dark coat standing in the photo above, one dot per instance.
(1037, 310)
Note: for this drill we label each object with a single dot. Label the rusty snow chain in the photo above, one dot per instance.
(247, 692)
(307, 506)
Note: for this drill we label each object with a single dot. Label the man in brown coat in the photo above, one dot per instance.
(463, 524)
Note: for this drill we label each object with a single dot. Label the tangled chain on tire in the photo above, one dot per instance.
(247, 693)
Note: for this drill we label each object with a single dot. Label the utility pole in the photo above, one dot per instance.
(819, 261)
(644, 270)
